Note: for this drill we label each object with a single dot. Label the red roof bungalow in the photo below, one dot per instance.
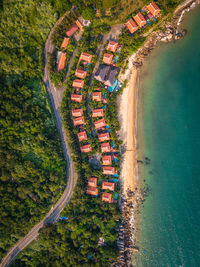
(78, 83)
(72, 30)
(77, 112)
(103, 137)
(65, 43)
(98, 112)
(92, 182)
(153, 9)
(92, 191)
(79, 24)
(80, 73)
(107, 170)
(96, 96)
(132, 27)
(107, 160)
(140, 20)
(61, 62)
(112, 46)
(76, 98)
(82, 136)
(85, 57)
(107, 58)
(107, 197)
(78, 121)
(108, 186)
(86, 148)
(105, 147)
(99, 124)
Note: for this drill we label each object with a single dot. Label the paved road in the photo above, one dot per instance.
(53, 215)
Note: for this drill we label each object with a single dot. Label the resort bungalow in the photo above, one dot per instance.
(108, 186)
(92, 182)
(86, 148)
(132, 27)
(77, 112)
(80, 74)
(105, 147)
(85, 57)
(78, 83)
(79, 24)
(98, 112)
(107, 58)
(103, 137)
(106, 74)
(99, 124)
(92, 191)
(112, 46)
(107, 197)
(76, 98)
(78, 121)
(153, 9)
(61, 62)
(72, 30)
(140, 20)
(96, 96)
(107, 160)
(82, 136)
(107, 170)
(65, 43)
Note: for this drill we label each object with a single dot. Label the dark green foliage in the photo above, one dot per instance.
(88, 13)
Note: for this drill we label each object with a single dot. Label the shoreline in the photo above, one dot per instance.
(131, 193)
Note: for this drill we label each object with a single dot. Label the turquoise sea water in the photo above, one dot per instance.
(170, 99)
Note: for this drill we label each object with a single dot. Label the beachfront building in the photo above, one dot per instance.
(107, 170)
(107, 58)
(106, 160)
(76, 98)
(96, 96)
(86, 148)
(61, 62)
(82, 136)
(98, 112)
(78, 83)
(92, 191)
(80, 74)
(92, 182)
(103, 137)
(85, 57)
(153, 9)
(112, 46)
(78, 121)
(105, 148)
(108, 186)
(65, 43)
(132, 27)
(77, 112)
(106, 74)
(99, 124)
(140, 20)
(79, 24)
(72, 30)
(107, 197)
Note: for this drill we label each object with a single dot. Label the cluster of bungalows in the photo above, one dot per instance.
(141, 20)
(62, 54)
(77, 114)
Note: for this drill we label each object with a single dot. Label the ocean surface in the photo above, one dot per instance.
(169, 95)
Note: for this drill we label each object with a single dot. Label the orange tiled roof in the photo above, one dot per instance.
(80, 73)
(79, 24)
(99, 124)
(76, 98)
(77, 112)
(107, 170)
(85, 57)
(96, 96)
(78, 83)
(92, 191)
(131, 26)
(98, 112)
(82, 136)
(78, 121)
(107, 58)
(92, 182)
(107, 197)
(72, 30)
(86, 148)
(105, 147)
(112, 46)
(65, 42)
(140, 20)
(153, 8)
(104, 137)
(107, 160)
(108, 186)
(61, 62)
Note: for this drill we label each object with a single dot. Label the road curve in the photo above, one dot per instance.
(53, 214)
